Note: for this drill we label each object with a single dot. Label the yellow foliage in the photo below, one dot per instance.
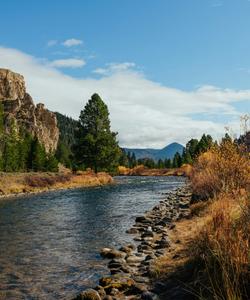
(222, 169)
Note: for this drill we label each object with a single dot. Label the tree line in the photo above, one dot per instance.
(86, 143)
(193, 149)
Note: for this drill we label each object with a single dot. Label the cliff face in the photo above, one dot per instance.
(20, 109)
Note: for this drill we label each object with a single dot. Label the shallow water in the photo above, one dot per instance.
(49, 243)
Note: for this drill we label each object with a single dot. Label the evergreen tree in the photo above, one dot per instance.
(10, 155)
(186, 157)
(167, 163)
(37, 157)
(160, 164)
(96, 145)
(11, 149)
(177, 161)
(63, 154)
(2, 136)
(51, 163)
(133, 160)
(204, 144)
(191, 147)
(123, 160)
(24, 150)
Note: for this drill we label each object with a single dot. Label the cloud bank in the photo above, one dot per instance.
(145, 113)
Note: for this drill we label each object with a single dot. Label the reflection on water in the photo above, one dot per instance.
(49, 243)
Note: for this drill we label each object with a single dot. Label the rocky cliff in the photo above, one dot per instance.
(19, 109)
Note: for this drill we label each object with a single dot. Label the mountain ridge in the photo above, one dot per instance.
(156, 154)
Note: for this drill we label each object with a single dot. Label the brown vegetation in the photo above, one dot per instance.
(211, 256)
(18, 183)
(141, 170)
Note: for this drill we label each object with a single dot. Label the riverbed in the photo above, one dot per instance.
(49, 243)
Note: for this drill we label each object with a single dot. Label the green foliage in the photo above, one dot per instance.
(67, 128)
(177, 161)
(168, 163)
(37, 156)
(123, 160)
(63, 154)
(160, 164)
(195, 147)
(51, 163)
(96, 145)
(147, 162)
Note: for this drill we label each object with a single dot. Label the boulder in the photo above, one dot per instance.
(120, 283)
(112, 253)
(89, 294)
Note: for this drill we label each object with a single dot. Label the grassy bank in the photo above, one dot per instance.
(19, 183)
(210, 257)
(141, 170)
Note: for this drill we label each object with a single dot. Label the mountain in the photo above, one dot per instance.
(21, 112)
(156, 154)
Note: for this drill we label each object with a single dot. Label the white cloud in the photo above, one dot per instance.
(145, 113)
(72, 42)
(68, 63)
(114, 68)
(52, 43)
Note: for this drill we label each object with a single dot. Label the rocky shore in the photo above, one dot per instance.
(131, 266)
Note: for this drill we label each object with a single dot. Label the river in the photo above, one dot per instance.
(50, 243)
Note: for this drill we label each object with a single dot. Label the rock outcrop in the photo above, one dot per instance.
(19, 109)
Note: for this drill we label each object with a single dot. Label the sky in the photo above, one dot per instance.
(169, 70)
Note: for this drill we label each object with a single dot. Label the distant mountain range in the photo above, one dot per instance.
(156, 154)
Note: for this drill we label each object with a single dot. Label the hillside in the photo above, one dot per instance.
(67, 127)
(156, 154)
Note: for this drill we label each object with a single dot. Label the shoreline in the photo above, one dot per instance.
(13, 185)
(132, 265)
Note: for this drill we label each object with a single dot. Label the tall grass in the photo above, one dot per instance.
(225, 168)
(223, 246)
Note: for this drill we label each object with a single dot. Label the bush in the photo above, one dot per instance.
(223, 168)
(39, 181)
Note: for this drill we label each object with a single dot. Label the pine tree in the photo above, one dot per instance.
(2, 136)
(160, 164)
(96, 145)
(167, 163)
(51, 163)
(37, 157)
(123, 160)
(133, 160)
(63, 154)
(177, 161)
(11, 149)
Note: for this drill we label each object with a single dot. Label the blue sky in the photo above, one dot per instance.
(171, 49)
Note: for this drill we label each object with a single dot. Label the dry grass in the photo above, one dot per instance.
(141, 170)
(212, 257)
(17, 183)
(223, 249)
(222, 169)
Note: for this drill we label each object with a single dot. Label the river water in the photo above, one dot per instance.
(49, 243)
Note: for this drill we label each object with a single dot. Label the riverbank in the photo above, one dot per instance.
(13, 184)
(186, 249)
(132, 267)
(141, 170)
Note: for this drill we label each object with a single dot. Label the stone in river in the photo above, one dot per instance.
(89, 294)
(112, 253)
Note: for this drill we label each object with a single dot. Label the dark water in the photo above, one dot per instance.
(49, 243)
